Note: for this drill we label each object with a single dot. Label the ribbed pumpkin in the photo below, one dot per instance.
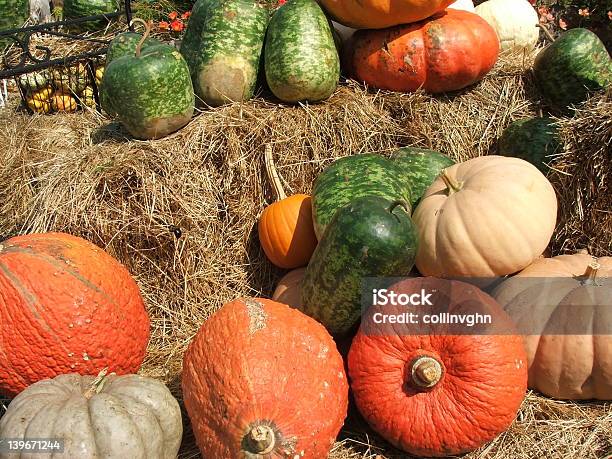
(488, 216)
(378, 14)
(514, 21)
(447, 52)
(289, 289)
(286, 232)
(263, 380)
(562, 305)
(115, 417)
(436, 394)
(66, 306)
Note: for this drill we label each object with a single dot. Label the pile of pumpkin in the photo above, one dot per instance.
(404, 46)
(61, 89)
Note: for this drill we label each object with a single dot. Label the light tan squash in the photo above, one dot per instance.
(289, 288)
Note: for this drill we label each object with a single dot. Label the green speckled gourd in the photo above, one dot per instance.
(150, 91)
(222, 46)
(13, 13)
(74, 9)
(353, 177)
(420, 167)
(369, 237)
(572, 66)
(531, 139)
(301, 59)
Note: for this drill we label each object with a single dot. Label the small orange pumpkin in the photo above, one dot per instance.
(285, 228)
(289, 288)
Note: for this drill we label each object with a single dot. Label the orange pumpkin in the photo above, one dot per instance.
(286, 232)
(263, 380)
(378, 14)
(447, 52)
(289, 288)
(438, 390)
(66, 307)
(562, 306)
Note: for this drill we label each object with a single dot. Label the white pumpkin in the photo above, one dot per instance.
(465, 5)
(515, 21)
(114, 417)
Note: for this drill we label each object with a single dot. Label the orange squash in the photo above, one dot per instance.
(285, 228)
(289, 288)
(446, 52)
(66, 306)
(378, 14)
(263, 380)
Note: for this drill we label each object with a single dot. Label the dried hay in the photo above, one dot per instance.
(181, 212)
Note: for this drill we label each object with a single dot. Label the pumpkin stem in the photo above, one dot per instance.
(546, 32)
(272, 174)
(399, 203)
(426, 372)
(97, 384)
(147, 26)
(261, 439)
(591, 273)
(452, 185)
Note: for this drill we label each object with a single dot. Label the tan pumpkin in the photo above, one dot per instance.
(563, 306)
(514, 21)
(285, 228)
(488, 216)
(115, 417)
(289, 289)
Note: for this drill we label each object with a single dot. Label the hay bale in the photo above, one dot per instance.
(181, 212)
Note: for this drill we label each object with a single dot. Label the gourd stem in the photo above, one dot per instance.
(147, 26)
(272, 174)
(547, 32)
(261, 439)
(451, 185)
(426, 372)
(591, 272)
(398, 203)
(97, 384)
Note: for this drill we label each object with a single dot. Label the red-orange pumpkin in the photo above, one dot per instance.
(449, 51)
(286, 232)
(263, 380)
(433, 392)
(66, 306)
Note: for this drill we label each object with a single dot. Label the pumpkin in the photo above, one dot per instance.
(66, 307)
(431, 391)
(515, 22)
(562, 306)
(263, 380)
(61, 102)
(488, 216)
(289, 289)
(378, 14)
(285, 228)
(409, 57)
(465, 5)
(105, 416)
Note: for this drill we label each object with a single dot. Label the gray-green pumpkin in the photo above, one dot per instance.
(74, 9)
(222, 46)
(301, 59)
(150, 91)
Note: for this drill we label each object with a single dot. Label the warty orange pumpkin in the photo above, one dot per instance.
(66, 306)
(263, 380)
(433, 392)
(449, 51)
(378, 14)
(285, 228)
(563, 306)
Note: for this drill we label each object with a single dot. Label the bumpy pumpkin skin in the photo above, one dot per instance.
(447, 52)
(378, 14)
(576, 367)
(497, 223)
(286, 232)
(127, 416)
(260, 366)
(66, 306)
(289, 289)
(479, 391)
